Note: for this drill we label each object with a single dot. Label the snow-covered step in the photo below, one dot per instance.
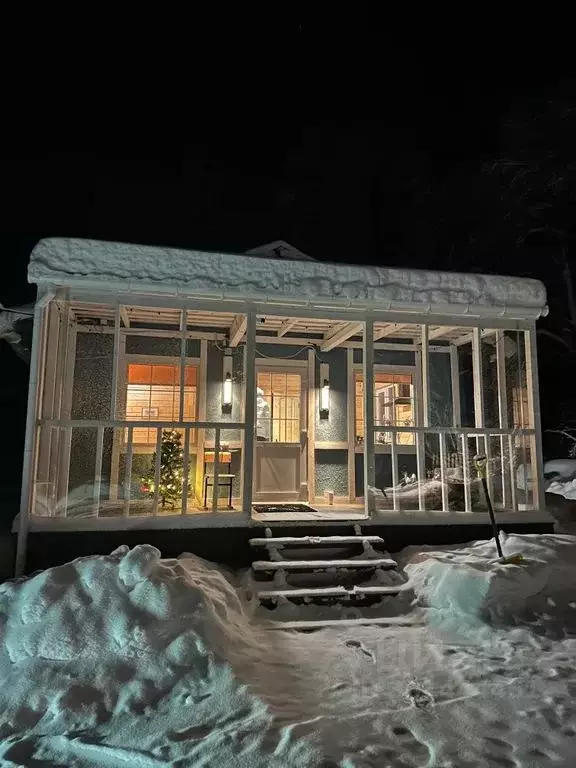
(358, 591)
(294, 565)
(415, 618)
(310, 540)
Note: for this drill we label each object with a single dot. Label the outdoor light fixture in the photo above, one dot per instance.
(324, 389)
(227, 381)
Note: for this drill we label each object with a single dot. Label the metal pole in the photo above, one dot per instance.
(480, 463)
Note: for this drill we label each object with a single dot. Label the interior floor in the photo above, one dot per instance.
(141, 508)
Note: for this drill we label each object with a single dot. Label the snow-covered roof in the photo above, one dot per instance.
(124, 267)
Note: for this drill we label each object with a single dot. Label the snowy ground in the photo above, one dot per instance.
(129, 660)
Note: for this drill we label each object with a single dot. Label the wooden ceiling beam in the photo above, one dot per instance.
(341, 333)
(237, 330)
(124, 316)
(441, 331)
(394, 329)
(287, 325)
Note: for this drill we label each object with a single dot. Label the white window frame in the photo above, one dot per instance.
(411, 370)
(126, 360)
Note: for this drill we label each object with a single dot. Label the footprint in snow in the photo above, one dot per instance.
(357, 644)
(420, 698)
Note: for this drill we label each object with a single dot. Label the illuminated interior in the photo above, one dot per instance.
(153, 394)
(282, 394)
(393, 406)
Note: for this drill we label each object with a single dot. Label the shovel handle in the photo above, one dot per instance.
(480, 463)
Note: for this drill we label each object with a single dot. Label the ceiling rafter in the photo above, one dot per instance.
(341, 333)
(287, 325)
(124, 316)
(393, 329)
(441, 331)
(237, 330)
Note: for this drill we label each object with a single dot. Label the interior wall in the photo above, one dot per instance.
(331, 472)
(91, 395)
(152, 345)
(333, 426)
(388, 357)
(281, 351)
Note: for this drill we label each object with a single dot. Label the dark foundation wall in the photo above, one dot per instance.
(230, 546)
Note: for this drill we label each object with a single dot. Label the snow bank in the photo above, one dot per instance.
(563, 469)
(466, 586)
(60, 261)
(121, 660)
(566, 488)
(129, 660)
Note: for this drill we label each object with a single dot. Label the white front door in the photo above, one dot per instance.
(280, 445)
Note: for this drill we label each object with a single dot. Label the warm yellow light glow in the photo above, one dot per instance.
(325, 397)
(227, 391)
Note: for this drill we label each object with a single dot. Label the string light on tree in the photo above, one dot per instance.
(171, 470)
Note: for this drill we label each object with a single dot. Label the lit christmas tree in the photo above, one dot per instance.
(171, 470)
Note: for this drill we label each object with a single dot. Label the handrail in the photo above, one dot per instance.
(117, 423)
(489, 431)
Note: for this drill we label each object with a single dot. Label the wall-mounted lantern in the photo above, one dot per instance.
(324, 389)
(227, 381)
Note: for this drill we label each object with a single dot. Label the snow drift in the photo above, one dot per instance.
(467, 587)
(131, 648)
(130, 660)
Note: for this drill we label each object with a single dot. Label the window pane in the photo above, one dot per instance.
(158, 401)
(190, 376)
(278, 409)
(164, 374)
(139, 374)
(393, 406)
(279, 384)
(516, 384)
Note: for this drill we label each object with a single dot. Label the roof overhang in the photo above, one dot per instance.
(121, 268)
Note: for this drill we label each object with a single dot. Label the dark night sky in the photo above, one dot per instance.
(342, 175)
(391, 172)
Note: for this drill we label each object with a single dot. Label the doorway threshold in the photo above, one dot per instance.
(305, 512)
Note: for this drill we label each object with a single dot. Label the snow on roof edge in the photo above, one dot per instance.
(142, 268)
